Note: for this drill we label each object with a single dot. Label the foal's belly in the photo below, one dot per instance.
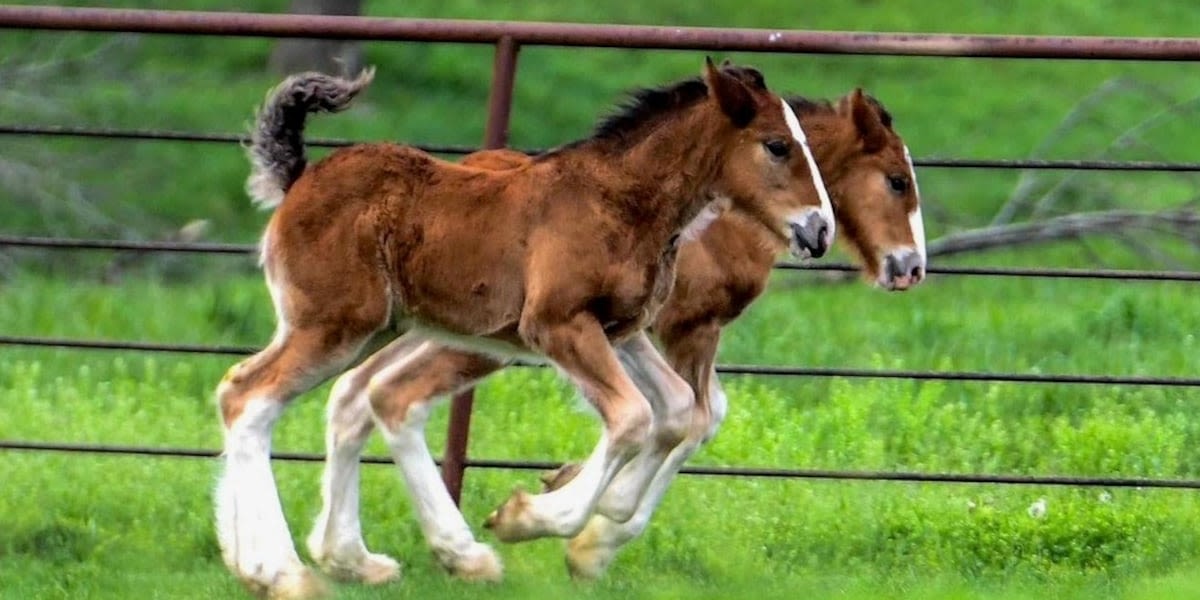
(468, 285)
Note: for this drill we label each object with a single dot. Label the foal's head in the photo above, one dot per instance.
(875, 194)
(770, 173)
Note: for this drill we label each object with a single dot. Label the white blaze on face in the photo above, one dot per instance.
(818, 182)
(915, 222)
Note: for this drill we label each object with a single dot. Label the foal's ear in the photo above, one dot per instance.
(867, 121)
(734, 98)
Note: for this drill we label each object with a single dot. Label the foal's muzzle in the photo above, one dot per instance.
(902, 269)
(810, 235)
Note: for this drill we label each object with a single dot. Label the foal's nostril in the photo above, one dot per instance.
(916, 272)
(892, 266)
(819, 243)
(811, 237)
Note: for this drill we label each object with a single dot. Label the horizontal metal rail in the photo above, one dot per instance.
(51, 243)
(764, 370)
(929, 162)
(599, 36)
(1108, 274)
(541, 465)
(166, 135)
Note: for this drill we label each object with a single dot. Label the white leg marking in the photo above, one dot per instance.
(336, 541)
(251, 529)
(445, 529)
(817, 181)
(564, 511)
(590, 553)
(672, 401)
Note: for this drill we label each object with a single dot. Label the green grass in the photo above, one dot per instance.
(119, 527)
(106, 527)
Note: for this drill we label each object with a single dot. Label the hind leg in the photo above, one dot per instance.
(255, 542)
(402, 394)
(336, 541)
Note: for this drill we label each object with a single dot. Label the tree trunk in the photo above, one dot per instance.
(336, 57)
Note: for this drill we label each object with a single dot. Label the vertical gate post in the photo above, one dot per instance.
(504, 67)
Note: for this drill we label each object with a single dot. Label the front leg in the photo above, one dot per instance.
(578, 346)
(672, 401)
(692, 354)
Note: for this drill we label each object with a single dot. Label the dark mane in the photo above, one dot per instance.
(646, 105)
(642, 107)
(806, 106)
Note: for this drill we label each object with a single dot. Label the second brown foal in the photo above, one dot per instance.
(565, 259)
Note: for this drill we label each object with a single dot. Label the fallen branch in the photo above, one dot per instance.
(1071, 226)
(193, 231)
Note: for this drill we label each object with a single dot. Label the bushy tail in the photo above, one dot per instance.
(277, 140)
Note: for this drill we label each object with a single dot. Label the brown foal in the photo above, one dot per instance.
(565, 259)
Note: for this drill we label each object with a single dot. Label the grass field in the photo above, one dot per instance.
(105, 527)
(119, 527)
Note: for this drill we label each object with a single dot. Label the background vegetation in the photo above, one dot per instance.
(96, 527)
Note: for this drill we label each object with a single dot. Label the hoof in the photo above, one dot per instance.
(479, 564)
(586, 560)
(368, 568)
(303, 584)
(379, 568)
(556, 478)
(511, 522)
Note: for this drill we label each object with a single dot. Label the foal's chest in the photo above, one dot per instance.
(641, 290)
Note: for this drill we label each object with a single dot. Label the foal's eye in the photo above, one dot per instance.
(898, 184)
(778, 148)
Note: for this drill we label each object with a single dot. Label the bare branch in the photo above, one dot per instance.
(192, 231)
(1060, 228)
(1182, 222)
(1029, 179)
(1145, 249)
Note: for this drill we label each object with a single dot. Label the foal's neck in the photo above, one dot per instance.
(665, 177)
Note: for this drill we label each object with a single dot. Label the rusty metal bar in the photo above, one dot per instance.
(1125, 275)
(733, 471)
(166, 135)
(607, 36)
(950, 162)
(724, 369)
(504, 73)
(504, 69)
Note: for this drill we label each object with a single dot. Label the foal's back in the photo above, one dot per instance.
(392, 220)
